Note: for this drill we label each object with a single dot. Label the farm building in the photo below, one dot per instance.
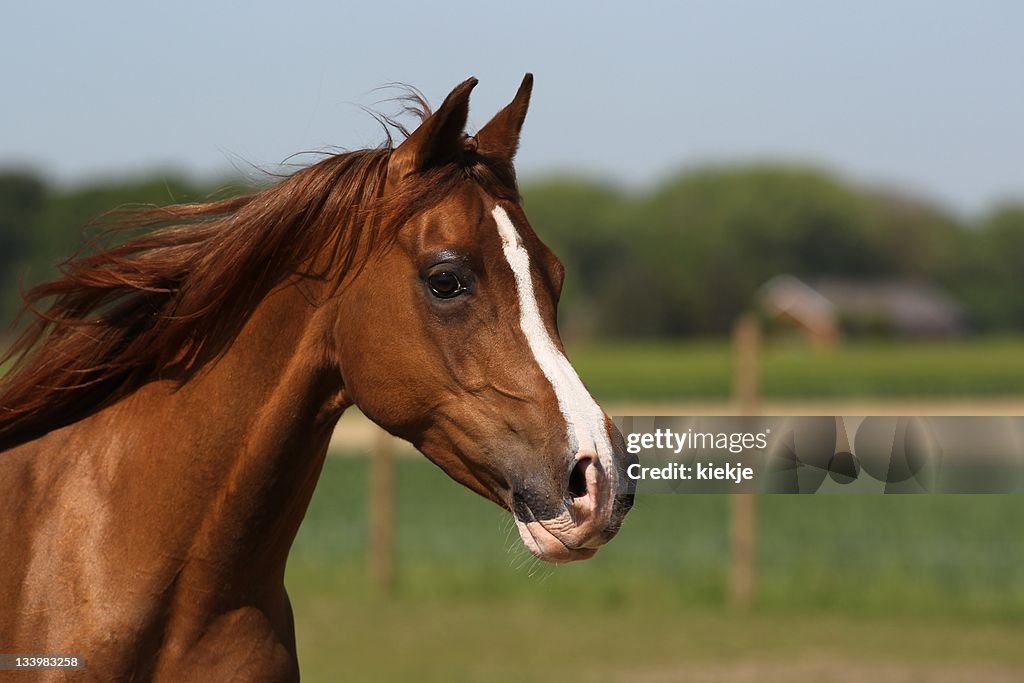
(827, 307)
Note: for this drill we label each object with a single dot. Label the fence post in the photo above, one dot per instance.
(382, 513)
(743, 506)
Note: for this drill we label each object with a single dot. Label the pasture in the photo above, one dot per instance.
(876, 370)
(850, 587)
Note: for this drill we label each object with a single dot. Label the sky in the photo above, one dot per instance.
(927, 97)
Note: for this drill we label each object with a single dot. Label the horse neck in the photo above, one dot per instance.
(241, 443)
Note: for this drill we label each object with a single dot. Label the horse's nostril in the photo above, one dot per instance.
(578, 478)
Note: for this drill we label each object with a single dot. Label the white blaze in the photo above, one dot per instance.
(584, 419)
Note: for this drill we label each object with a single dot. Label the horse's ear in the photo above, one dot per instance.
(500, 137)
(438, 138)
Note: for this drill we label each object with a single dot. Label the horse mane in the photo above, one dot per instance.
(163, 304)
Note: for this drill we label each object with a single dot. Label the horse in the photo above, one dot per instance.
(170, 406)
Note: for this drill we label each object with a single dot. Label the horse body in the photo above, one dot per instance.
(227, 463)
(166, 423)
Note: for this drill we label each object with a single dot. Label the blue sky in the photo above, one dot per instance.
(926, 96)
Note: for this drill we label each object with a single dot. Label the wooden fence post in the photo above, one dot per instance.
(382, 513)
(743, 506)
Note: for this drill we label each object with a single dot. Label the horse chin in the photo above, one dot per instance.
(545, 545)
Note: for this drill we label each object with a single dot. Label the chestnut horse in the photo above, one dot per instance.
(170, 407)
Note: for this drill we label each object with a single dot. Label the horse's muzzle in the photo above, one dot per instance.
(589, 515)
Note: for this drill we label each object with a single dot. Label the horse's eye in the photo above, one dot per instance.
(445, 284)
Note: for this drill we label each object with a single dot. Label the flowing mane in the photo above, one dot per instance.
(163, 304)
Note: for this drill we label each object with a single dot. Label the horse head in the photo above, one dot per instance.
(449, 339)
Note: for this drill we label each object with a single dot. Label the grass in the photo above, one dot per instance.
(703, 370)
(926, 580)
(474, 641)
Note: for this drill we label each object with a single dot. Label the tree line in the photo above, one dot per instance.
(683, 258)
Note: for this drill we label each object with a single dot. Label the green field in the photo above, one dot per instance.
(703, 370)
(915, 583)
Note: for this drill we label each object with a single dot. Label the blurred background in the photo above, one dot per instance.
(848, 180)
